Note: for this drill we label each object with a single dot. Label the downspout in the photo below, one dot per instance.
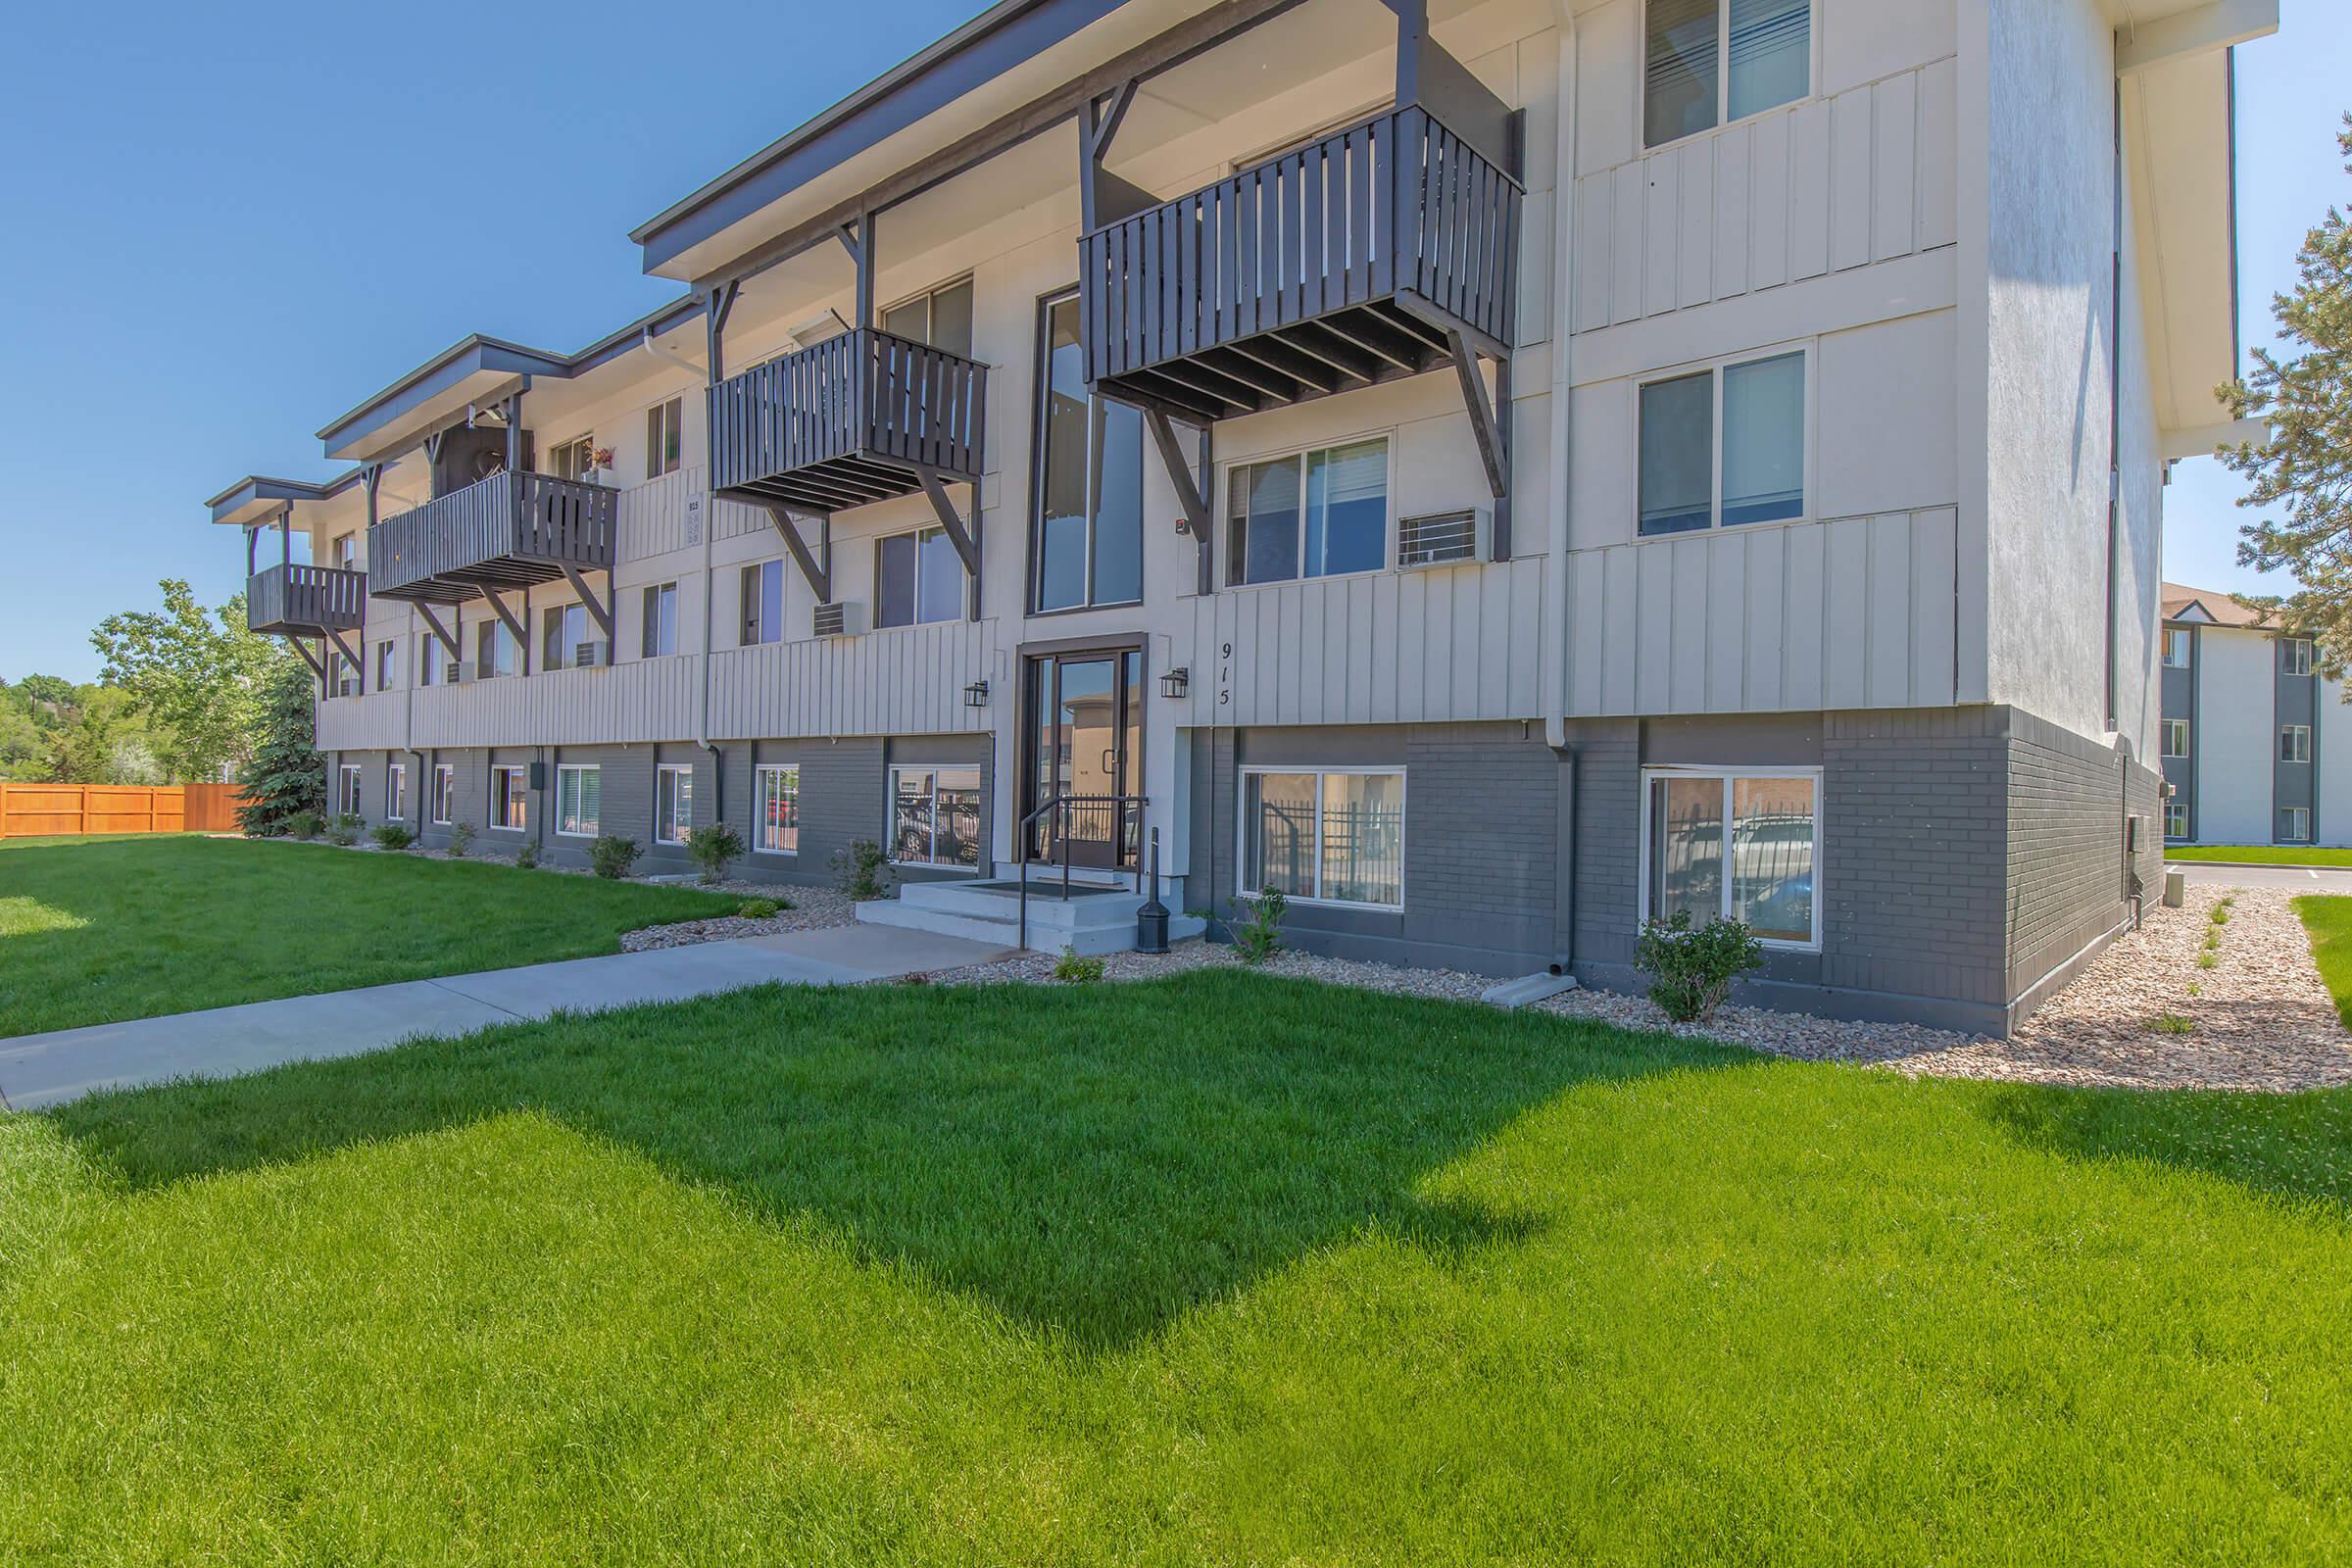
(672, 356)
(1555, 513)
(702, 722)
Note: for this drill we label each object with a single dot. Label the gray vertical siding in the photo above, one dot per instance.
(2295, 701)
(2178, 699)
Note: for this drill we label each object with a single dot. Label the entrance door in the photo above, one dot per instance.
(1086, 744)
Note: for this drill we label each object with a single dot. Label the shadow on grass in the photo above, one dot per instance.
(1094, 1160)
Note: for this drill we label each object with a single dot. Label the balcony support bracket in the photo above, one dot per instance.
(317, 664)
(449, 639)
(966, 540)
(820, 578)
(598, 611)
(1188, 489)
(521, 631)
(1488, 421)
(343, 648)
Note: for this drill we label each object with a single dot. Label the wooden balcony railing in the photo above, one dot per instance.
(855, 419)
(510, 530)
(1347, 261)
(303, 601)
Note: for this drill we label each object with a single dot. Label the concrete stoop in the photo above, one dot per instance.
(1090, 923)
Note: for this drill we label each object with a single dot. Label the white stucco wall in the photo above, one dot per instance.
(2235, 736)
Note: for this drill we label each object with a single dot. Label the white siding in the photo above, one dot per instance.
(2236, 740)
(907, 681)
(640, 700)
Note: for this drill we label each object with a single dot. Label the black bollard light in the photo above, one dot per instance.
(1152, 920)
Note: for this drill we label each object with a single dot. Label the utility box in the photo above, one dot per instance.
(2174, 887)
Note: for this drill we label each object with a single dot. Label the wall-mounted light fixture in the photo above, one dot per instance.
(1175, 682)
(976, 694)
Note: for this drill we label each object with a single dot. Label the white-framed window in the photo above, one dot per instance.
(673, 801)
(568, 639)
(1324, 836)
(918, 579)
(496, 652)
(777, 809)
(1322, 513)
(935, 817)
(396, 792)
(385, 668)
(661, 633)
(2175, 820)
(941, 316)
(664, 437)
(2176, 737)
(1707, 62)
(2294, 743)
(2294, 655)
(1735, 844)
(579, 800)
(445, 794)
(345, 552)
(347, 676)
(1086, 492)
(2178, 640)
(347, 789)
(510, 798)
(574, 458)
(762, 603)
(1724, 445)
(2294, 824)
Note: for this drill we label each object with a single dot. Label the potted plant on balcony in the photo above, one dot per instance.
(601, 466)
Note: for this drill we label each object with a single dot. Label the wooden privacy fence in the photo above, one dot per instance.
(30, 811)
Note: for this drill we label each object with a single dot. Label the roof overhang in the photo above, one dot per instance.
(2178, 83)
(257, 498)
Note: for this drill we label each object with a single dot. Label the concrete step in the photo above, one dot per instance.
(1089, 926)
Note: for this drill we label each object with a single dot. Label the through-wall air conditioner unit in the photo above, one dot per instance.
(1445, 538)
(454, 673)
(590, 653)
(844, 617)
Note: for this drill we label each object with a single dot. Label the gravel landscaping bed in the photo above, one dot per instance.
(813, 908)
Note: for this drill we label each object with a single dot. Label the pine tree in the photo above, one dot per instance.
(286, 774)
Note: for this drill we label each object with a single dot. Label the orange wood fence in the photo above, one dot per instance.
(29, 810)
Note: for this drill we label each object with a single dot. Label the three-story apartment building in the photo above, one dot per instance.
(2249, 739)
(1497, 472)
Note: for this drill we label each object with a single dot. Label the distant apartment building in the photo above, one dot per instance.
(2248, 729)
(1495, 472)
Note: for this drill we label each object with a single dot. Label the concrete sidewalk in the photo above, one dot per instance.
(40, 1070)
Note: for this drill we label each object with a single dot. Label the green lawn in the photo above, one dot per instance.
(97, 930)
(2259, 854)
(1218, 1269)
(2330, 922)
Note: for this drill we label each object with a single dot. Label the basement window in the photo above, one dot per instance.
(1735, 845)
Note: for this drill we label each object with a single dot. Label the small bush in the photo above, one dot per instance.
(1257, 925)
(2208, 961)
(760, 908)
(714, 847)
(1076, 970)
(2172, 1023)
(864, 869)
(1692, 967)
(344, 829)
(528, 857)
(2221, 914)
(305, 825)
(461, 841)
(392, 836)
(611, 857)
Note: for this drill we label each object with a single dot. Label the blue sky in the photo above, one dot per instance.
(226, 226)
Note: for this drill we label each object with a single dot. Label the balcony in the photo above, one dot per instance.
(857, 418)
(1361, 257)
(290, 601)
(511, 530)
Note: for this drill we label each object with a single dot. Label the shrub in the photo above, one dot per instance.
(392, 836)
(343, 828)
(2208, 961)
(305, 825)
(2172, 1023)
(1257, 925)
(611, 857)
(1692, 967)
(1076, 970)
(714, 846)
(760, 908)
(528, 857)
(460, 840)
(863, 869)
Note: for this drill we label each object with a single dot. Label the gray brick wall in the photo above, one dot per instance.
(1608, 851)
(2066, 867)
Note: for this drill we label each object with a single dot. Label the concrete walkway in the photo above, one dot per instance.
(38, 1070)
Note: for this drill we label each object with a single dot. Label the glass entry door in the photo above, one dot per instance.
(1086, 744)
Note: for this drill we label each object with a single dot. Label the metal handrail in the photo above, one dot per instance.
(1062, 803)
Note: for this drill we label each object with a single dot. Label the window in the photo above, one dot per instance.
(763, 603)
(2176, 737)
(935, 817)
(572, 459)
(1735, 846)
(495, 651)
(384, 666)
(2175, 820)
(2177, 643)
(445, 795)
(1710, 62)
(777, 828)
(662, 620)
(1088, 528)
(673, 801)
(347, 789)
(567, 638)
(2294, 743)
(579, 798)
(2295, 656)
(510, 798)
(1755, 472)
(396, 791)
(942, 319)
(346, 553)
(664, 437)
(1315, 515)
(2294, 824)
(917, 578)
(1331, 837)
(347, 677)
